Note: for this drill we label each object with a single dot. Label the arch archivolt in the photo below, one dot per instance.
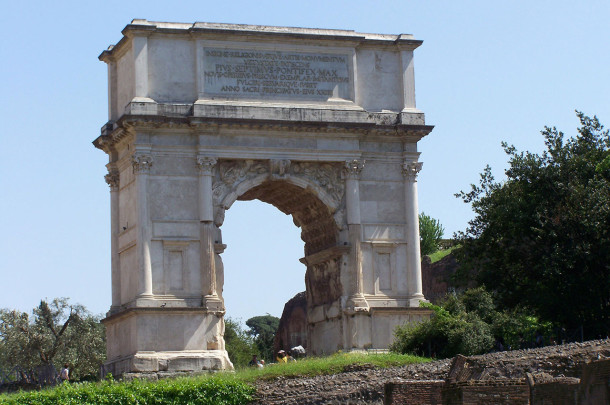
(233, 180)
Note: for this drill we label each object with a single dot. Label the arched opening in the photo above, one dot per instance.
(318, 228)
(319, 232)
(261, 264)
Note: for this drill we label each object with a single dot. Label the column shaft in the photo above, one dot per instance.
(208, 271)
(112, 178)
(114, 247)
(141, 164)
(352, 171)
(412, 232)
(207, 233)
(352, 200)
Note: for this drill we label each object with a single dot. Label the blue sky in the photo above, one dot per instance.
(488, 71)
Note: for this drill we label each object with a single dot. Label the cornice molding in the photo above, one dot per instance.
(128, 123)
(260, 33)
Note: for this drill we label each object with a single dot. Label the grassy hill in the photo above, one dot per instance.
(221, 388)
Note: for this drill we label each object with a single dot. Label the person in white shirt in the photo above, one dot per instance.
(64, 374)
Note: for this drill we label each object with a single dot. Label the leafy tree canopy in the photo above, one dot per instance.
(430, 234)
(240, 346)
(263, 325)
(541, 238)
(57, 333)
(263, 329)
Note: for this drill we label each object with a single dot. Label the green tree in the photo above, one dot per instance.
(430, 234)
(542, 237)
(57, 333)
(238, 343)
(263, 329)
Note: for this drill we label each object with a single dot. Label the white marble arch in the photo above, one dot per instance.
(320, 123)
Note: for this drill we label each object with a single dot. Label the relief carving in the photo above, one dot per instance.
(230, 174)
(326, 175)
(323, 282)
(279, 168)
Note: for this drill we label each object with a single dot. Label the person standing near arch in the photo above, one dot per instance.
(64, 374)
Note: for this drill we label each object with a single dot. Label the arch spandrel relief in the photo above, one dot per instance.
(233, 178)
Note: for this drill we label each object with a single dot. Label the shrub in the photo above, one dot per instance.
(215, 391)
(467, 324)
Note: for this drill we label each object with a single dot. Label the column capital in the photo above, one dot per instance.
(411, 169)
(112, 178)
(353, 168)
(141, 163)
(206, 164)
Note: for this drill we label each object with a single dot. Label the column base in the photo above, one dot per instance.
(213, 304)
(355, 304)
(415, 300)
(141, 106)
(154, 365)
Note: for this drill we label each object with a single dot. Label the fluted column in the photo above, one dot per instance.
(112, 178)
(207, 232)
(410, 171)
(352, 171)
(141, 168)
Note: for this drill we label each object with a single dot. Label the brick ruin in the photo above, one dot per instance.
(471, 381)
(574, 373)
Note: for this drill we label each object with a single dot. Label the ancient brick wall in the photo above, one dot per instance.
(414, 392)
(493, 392)
(557, 391)
(595, 383)
(534, 377)
(547, 364)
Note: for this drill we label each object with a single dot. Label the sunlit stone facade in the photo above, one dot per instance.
(320, 123)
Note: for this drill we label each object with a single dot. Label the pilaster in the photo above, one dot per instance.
(408, 80)
(141, 102)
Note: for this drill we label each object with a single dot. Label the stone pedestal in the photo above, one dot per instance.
(152, 340)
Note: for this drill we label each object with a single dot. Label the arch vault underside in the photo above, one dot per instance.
(341, 159)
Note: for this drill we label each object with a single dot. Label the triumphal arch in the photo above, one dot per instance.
(322, 124)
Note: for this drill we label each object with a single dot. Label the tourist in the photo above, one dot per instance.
(64, 374)
(290, 358)
(281, 357)
(254, 362)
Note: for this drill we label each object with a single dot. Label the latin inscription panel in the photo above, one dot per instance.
(264, 74)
